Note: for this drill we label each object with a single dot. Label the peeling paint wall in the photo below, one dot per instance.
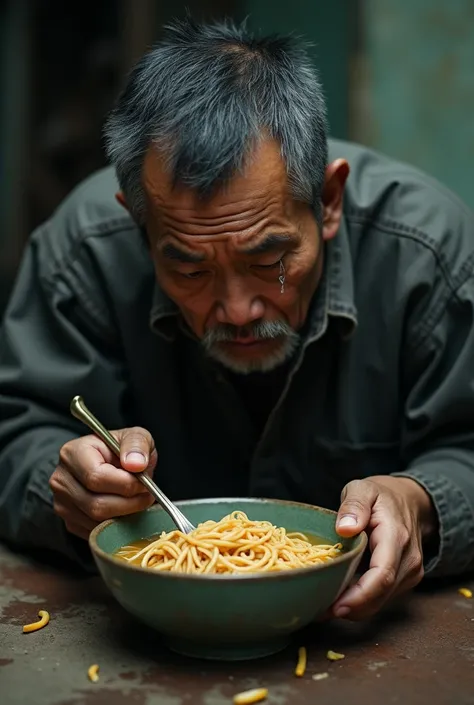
(419, 63)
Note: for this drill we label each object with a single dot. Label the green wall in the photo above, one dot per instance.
(330, 28)
(420, 58)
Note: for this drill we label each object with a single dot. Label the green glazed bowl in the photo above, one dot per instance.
(226, 617)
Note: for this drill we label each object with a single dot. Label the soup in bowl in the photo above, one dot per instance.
(255, 572)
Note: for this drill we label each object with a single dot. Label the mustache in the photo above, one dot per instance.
(260, 330)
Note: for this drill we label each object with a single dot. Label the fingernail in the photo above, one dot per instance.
(342, 611)
(135, 457)
(347, 522)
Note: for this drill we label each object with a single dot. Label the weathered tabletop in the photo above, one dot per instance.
(421, 651)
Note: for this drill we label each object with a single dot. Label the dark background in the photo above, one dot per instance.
(397, 76)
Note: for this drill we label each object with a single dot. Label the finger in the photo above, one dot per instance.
(108, 506)
(376, 585)
(78, 530)
(107, 455)
(357, 499)
(402, 586)
(97, 507)
(412, 569)
(85, 463)
(71, 514)
(137, 449)
(100, 507)
(70, 449)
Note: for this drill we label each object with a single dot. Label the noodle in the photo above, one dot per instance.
(334, 656)
(93, 673)
(301, 665)
(248, 697)
(233, 545)
(34, 626)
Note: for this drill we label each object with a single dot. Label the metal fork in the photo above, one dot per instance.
(80, 411)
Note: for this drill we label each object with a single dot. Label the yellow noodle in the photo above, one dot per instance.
(34, 626)
(93, 673)
(233, 545)
(248, 697)
(465, 592)
(334, 656)
(301, 665)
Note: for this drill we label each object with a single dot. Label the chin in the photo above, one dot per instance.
(259, 363)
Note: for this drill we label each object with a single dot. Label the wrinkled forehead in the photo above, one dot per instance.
(261, 185)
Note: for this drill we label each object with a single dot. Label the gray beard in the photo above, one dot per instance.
(263, 330)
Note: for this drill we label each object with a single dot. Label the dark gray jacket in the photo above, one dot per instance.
(384, 383)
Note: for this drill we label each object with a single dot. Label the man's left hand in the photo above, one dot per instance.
(398, 516)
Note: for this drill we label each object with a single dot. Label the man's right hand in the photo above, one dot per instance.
(91, 485)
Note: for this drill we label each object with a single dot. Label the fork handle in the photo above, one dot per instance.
(80, 411)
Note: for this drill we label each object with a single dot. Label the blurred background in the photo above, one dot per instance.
(398, 76)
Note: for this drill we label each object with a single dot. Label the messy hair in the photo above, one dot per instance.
(204, 95)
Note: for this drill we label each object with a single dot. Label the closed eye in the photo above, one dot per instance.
(192, 275)
(267, 266)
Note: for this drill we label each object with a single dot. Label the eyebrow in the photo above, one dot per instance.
(178, 255)
(269, 244)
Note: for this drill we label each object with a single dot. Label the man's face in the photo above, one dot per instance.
(220, 260)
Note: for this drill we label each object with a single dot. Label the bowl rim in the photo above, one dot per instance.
(346, 557)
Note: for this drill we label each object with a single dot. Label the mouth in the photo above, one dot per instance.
(249, 346)
(248, 340)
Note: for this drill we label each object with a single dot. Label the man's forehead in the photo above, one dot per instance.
(263, 176)
(185, 251)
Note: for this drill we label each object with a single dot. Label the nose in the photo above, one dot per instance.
(238, 306)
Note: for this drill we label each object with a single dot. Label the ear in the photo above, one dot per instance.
(121, 199)
(333, 192)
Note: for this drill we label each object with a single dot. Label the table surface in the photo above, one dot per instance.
(419, 651)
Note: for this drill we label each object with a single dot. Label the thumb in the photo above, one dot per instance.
(137, 450)
(357, 499)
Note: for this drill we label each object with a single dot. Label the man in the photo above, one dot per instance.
(255, 314)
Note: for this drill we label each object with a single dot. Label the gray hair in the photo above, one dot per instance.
(204, 95)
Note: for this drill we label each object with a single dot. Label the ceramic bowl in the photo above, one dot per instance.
(226, 617)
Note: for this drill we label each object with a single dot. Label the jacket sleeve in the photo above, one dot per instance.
(438, 427)
(52, 347)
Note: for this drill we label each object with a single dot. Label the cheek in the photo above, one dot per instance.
(300, 273)
(195, 305)
(301, 282)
